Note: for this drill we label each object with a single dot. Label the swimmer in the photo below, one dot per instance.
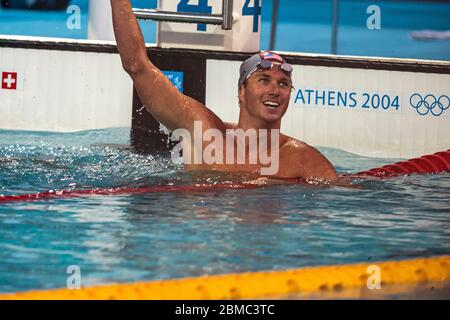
(264, 92)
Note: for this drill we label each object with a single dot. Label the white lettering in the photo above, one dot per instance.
(74, 21)
(246, 143)
(374, 281)
(192, 310)
(74, 280)
(373, 21)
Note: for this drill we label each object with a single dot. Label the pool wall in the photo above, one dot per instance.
(369, 106)
(61, 88)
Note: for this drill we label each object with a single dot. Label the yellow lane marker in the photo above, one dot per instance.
(254, 285)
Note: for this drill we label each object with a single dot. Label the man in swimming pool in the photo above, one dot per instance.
(264, 92)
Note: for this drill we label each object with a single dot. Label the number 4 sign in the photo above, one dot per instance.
(203, 7)
(243, 37)
(254, 11)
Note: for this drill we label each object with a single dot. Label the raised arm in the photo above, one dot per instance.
(157, 93)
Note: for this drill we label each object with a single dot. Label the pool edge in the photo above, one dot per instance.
(260, 285)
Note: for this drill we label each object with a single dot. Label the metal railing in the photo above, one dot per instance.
(273, 30)
(334, 30)
(225, 19)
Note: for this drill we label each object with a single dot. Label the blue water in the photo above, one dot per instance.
(303, 25)
(170, 235)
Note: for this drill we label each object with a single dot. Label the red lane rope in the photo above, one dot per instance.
(433, 163)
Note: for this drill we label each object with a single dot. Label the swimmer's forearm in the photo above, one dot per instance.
(130, 41)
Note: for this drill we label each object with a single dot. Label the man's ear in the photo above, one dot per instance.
(241, 94)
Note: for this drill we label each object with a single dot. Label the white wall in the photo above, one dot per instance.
(64, 91)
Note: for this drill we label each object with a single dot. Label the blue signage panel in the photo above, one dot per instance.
(176, 77)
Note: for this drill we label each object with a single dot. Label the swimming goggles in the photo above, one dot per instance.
(267, 65)
(264, 61)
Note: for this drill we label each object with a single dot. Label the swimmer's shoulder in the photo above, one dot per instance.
(303, 160)
(291, 143)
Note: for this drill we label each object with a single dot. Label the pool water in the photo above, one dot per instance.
(153, 236)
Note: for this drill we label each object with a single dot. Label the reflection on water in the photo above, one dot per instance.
(166, 235)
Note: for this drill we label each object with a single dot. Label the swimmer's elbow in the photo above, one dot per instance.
(132, 69)
(135, 67)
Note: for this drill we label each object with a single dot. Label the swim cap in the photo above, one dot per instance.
(262, 60)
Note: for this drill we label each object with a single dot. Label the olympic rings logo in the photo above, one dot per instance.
(429, 103)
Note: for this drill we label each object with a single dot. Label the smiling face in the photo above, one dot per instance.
(264, 98)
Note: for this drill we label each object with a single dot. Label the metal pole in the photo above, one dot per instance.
(273, 31)
(225, 19)
(227, 12)
(335, 26)
(157, 15)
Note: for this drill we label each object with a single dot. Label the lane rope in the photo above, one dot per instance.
(433, 163)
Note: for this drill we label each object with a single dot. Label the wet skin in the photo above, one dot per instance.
(175, 110)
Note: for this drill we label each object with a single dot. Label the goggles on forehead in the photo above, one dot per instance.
(264, 61)
(267, 65)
